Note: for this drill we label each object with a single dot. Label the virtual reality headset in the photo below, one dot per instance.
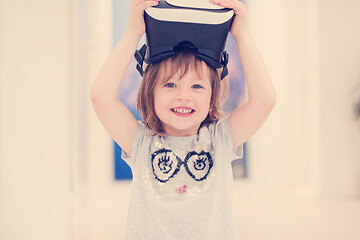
(198, 24)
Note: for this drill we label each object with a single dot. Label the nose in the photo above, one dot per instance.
(183, 94)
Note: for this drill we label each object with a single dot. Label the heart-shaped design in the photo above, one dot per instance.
(198, 165)
(165, 164)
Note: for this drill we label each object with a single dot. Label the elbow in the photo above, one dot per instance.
(96, 96)
(102, 96)
(271, 97)
(97, 93)
(268, 101)
(272, 100)
(93, 95)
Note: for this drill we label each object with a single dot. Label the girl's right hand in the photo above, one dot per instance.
(239, 26)
(136, 16)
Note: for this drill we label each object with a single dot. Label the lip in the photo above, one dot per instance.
(182, 111)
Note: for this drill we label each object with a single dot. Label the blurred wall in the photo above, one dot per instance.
(279, 152)
(93, 148)
(339, 85)
(311, 140)
(36, 128)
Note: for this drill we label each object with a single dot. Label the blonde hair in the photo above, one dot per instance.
(163, 70)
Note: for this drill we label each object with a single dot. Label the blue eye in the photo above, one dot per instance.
(197, 86)
(170, 85)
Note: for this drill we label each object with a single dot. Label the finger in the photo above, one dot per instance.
(138, 6)
(228, 3)
(221, 3)
(236, 5)
(137, 3)
(148, 3)
(142, 2)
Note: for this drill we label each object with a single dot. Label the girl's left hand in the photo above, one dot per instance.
(239, 26)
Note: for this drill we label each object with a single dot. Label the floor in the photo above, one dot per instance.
(262, 215)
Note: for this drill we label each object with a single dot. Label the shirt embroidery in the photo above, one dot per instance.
(181, 190)
(166, 164)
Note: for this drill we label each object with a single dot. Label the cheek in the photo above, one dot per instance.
(208, 100)
(160, 102)
(210, 106)
(156, 104)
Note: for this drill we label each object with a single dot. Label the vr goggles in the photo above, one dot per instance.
(196, 23)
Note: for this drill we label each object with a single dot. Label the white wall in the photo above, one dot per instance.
(92, 42)
(279, 152)
(36, 129)
(311, 139)
(339, 35)
(274, 155)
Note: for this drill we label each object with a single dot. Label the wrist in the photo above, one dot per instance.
(241, 36)
(133, 34)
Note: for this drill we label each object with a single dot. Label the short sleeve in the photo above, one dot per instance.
(141, 132)
(221, 135)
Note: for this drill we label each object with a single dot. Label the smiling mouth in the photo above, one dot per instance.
(182, 111)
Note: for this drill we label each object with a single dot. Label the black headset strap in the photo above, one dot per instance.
(140, 57)
(224, 61)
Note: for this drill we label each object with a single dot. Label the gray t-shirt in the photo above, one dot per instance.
(182, 187)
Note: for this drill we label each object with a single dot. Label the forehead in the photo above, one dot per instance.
(178, 68)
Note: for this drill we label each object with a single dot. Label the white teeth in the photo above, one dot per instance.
(182, 110)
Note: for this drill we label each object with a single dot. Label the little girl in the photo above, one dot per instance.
(181, 153)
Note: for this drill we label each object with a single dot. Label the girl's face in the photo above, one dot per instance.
(182, 104)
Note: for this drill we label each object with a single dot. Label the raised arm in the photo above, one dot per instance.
(248, 118)
(112, 113)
